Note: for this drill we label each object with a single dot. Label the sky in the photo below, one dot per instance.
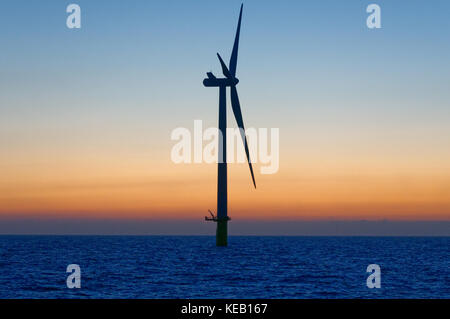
(86, 114)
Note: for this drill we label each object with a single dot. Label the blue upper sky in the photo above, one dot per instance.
(314, 60)
(295, 50)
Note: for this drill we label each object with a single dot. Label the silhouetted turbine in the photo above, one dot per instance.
(231, 81)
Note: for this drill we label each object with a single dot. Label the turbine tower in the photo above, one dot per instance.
(231, 81)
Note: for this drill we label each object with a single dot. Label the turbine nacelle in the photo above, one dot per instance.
(229, 80)
(212, 81)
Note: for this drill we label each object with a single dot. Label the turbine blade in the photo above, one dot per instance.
(234, 54)
(240, 122)
(224, 68)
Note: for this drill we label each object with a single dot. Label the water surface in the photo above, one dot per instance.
(250, 267)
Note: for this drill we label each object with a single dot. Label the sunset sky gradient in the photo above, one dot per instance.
(86, 115)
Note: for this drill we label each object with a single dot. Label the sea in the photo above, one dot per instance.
(250, 267)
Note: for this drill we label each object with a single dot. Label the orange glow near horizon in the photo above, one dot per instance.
(141, 189)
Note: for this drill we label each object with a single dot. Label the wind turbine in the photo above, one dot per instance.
(231, 81)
